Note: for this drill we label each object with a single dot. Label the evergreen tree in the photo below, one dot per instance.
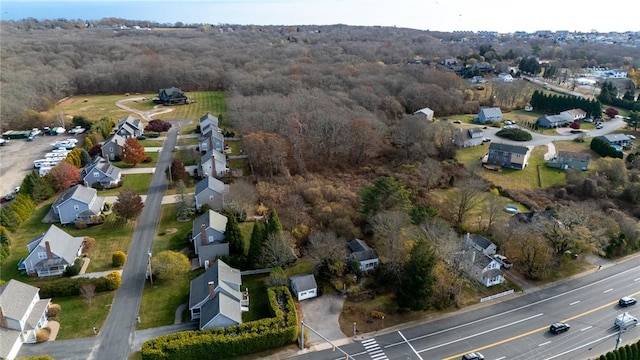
(417, 278)
(255, 243)
(184, 203)
(273, 223)
(233, 235)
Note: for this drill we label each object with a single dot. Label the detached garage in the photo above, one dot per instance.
(304, 286)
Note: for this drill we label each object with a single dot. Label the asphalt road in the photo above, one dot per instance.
(518, 328)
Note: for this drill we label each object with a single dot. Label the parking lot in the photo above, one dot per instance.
(17, 157)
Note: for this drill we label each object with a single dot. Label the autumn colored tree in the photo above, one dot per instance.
(156, 125)
(95, 150)
(169, 265)
(128, 205)
(63, 176)
(176, 171)
(133, 151)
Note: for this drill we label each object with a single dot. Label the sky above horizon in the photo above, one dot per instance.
(436, 15)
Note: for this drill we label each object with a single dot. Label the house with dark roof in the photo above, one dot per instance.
(489, 115)
(366, 257)
(22, 315)
(213, 163)
(508, 156)
(216, 298)
(208, 120)
(77, 203)
(484, 268)
(468, 137)
(304, 286)
(100, 172)
(51, 253)
(211, 139)
(570, 160)
(113, 147)
(171, 96)
(480, 243)
(208, 237)
(615, 139)
(130, 127)
(212, 192)
(554, 121)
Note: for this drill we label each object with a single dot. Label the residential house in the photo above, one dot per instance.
(130, 127)
(480, 243)
(22, 315)
(100, 172)
(484, 268)
(509, 156)
(616, 140)
(212, 192)
(304, 286)
(51, 253)
(489, 115)
(505, 77)
(213, 163)
(533, 216)
(554, 121)
(211, 139)
(208, 120)
(208, 238)
(113, 147)
(574, 114)
(468, 137)
(215, 297)
(426, 112)
(570, 160)
(366, 257)
(171, 96)
(77, 203)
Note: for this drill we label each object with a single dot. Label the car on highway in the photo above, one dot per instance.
(473, 356)
(627, 301)
(559, 327)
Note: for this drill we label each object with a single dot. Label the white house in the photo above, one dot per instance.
(51, 253)
(304, 286)
(22, 315)
(480, 243)
(484, 268)
(426, 112)
(363, 254)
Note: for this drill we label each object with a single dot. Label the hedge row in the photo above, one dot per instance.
(627, 352)
(71, 287)
(243, 339)
(604, 149)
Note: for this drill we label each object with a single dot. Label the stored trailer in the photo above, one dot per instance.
(14, 134)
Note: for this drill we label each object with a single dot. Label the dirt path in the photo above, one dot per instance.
(145, 115)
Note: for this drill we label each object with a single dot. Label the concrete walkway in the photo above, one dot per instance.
(167, 199)
(179, 311)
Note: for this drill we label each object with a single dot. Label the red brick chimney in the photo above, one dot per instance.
(212, 289)
(3, 319)
(203, 235)
(48, 248)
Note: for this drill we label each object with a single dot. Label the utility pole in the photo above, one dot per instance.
(150, 272)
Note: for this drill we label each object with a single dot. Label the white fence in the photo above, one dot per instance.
(496, 296)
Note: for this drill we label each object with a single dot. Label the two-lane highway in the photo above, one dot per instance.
(518, 329)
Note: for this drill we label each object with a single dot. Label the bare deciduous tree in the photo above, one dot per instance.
(391, 238)
(88, 292)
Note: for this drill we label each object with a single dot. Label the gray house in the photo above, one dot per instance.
(361, 252)
(212, 139)
(208, 238)
(570, 160)
(480, 243)
(468, 137)
(489, 115)
(112, 148)
(208, 120)
(212, 192)
(428, 113)
(77, 203)
(130, 127)
(508, 156)
(304, 286)
(574, 114)
(51, 253)
(615, 139)
(102, 172)
(554, 121)
(216, 298)
(22, 315)
(213, 163)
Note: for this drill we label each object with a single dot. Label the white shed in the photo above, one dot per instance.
(304, 286)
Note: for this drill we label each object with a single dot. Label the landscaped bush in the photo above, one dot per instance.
(603, 149)
(53, 311)
(71, 287)
(74, 269)
(118, 258)
(514, 134)
(43, 335)
(248, 338)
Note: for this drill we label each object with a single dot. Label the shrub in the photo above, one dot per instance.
(514, 134)
(43, 335)
(54, 311)
(74, 269)
(148, 159)
(118, 258)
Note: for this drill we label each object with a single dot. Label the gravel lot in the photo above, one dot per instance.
(17, 156)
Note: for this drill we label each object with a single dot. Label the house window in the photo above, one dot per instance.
(210, 197)
(210, 238)
(110, 149)
(42, 255)
(96, 174)
(76, 207)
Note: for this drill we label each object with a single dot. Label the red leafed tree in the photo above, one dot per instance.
(133, 152)
(128, 205)
(611, 112)
(156, 125)
(575, 124)
(63, 176)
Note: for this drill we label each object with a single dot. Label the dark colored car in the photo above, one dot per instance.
(559, 327)
(473, 356)
(627, 301)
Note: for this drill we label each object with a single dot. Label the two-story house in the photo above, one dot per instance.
(113, 147)
(468, 137)
(100, 172)
(130, 127)
(51, 253)
(208, 237)
(508, 156)
(77, 203)
(570, 160)
(489, 115)
(366, 257)
(212, 192)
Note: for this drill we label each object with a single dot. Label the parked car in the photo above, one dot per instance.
(559, 327)
(599, 126)
(486, 139)
(473, 356)
(588, 120)
(631, 137)
(457, 122)
(627, 301)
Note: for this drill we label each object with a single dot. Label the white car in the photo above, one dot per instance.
(599, 126)
(631, 137)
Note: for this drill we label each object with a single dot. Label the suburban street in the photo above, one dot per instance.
(517, 328)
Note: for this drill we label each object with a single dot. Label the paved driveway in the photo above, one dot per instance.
(321, 314)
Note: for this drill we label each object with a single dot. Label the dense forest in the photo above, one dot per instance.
(326, 117)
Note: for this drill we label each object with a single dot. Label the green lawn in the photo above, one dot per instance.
(187, 141)
(151, 142)
(92, 107)
(154, 161)
(78, 317)
(138, 182)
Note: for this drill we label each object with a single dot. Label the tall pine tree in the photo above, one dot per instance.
(417, 279)
(273, 224)
(233, 235)
(255, 243)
